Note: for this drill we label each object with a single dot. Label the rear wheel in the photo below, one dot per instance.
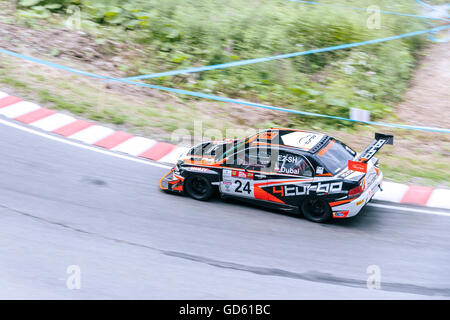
(198, 188)
(316, 210)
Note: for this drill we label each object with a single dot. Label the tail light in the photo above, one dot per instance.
(356, 192)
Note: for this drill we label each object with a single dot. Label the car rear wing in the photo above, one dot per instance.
(361, 163)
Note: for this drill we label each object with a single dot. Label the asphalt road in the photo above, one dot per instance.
(61, 205)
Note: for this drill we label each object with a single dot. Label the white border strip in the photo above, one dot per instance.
(19, 109)
(440, 198)
(72, 143)
(400, 208)
(53, 122)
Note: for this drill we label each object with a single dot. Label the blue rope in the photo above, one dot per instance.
(282, 56)
(230, 100)
(431, 7)
(431, 36)
(361, 9)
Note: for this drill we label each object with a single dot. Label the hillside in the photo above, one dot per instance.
(137, 37)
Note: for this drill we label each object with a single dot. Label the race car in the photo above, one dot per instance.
(293, 170)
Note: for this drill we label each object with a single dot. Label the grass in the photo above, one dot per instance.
(136, 112)
(176, 34)
(408, 170)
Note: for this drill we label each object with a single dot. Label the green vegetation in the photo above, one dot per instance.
(130, 111)
(177, 34)
(174, 34)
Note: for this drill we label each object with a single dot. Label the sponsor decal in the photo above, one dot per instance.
(304, 140)
(289, 170)
(334, 187)
(267, 135)
(288, 158)
(357, 166)
(360, 202)
(242, 174)
(290, 164)
(209, 161)
(370, 179)
(227, 173)
(319, 170)
(325, 150)
(304, 189)
(369, 154)
(307, 140)
(340, 214)
(198, 169)
(278, 190)
(346, 174)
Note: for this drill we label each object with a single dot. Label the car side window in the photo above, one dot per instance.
(250, 158)
(291, 163)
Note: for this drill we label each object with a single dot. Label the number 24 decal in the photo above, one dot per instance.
(239, 188)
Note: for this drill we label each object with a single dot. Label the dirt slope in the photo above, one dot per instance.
(427, 102)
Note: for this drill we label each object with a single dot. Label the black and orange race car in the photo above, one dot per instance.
(307, 172)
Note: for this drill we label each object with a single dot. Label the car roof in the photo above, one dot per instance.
(300, 140)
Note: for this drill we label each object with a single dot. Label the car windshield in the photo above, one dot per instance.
(335, 156)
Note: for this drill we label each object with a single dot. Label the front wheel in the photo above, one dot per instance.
(316, 210)
(198, 188)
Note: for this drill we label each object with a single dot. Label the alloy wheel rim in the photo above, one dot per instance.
(199, 186)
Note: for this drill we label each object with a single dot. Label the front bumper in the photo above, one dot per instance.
(171, 182)
(353, 207)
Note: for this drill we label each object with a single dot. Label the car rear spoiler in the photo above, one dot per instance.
(361, 163)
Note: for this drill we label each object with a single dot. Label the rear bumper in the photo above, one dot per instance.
(353, 207)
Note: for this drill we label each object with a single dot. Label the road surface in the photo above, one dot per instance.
(61, 205)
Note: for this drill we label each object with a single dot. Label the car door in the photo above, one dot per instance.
(289, 176)
(242, 171)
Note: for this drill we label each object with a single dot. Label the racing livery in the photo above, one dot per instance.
(289, 169)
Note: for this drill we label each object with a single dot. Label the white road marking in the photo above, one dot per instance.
(92, 134)
(440, 198)
(392, 192)
(79, 145)
(53, 122)
(3, 95)
(135, 146)
(400, 208)
(18, 109)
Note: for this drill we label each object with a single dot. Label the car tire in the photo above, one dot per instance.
(316, 210)
(198, 187)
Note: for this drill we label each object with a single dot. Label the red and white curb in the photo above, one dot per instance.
(84, 131)
(416, 195)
